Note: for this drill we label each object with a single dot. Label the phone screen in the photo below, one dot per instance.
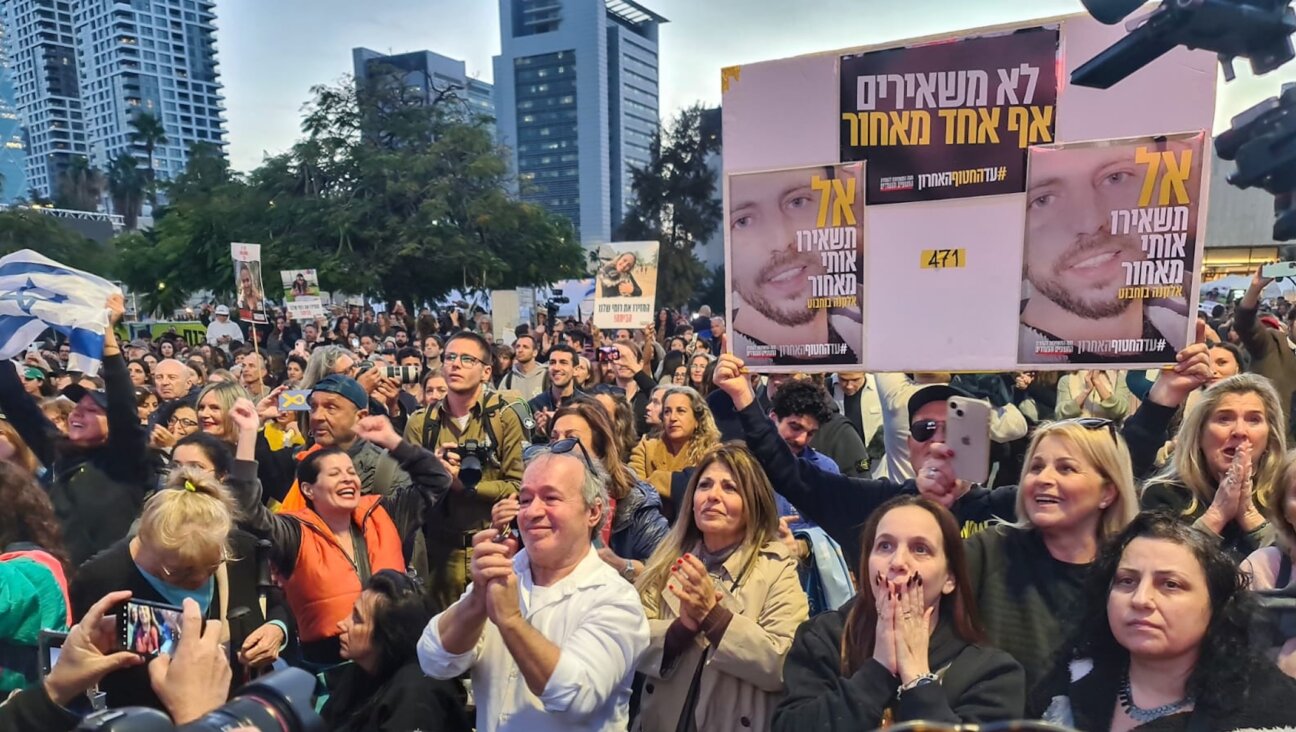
(149, 628)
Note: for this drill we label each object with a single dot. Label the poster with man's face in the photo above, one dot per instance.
(794, 248)
(1111, 251)
(247, 282)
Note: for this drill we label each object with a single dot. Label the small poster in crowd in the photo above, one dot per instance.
(1112, 251)
(949, 120)
(302, 294)
(247, 282)
(794, 257)
(626, 285)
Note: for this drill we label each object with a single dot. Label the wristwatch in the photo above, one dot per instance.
(923, 680)
(629, 570)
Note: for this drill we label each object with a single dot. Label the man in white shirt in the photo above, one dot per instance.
(221, 331)
(565, 629)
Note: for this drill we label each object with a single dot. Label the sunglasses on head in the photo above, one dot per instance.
(924, 429)
(609, 389)
(569, 444)
(1093, 423)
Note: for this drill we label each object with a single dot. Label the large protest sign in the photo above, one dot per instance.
(625, 287)
(301, 292)
(1111, 245)
(247, 282)
(942, 283)
(795, 240)
(949, 120)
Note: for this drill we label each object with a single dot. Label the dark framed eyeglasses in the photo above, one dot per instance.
(569, 444)
(609, 389)
(462, 358)
(925, 429)
(1093, 423)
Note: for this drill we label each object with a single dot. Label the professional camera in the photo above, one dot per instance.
(403, 374)
(472, 456)
(280, 702)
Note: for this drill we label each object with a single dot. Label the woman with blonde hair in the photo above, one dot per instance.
(1227, 466)
(188, 547)
(723, 601)
(214, 404)
(1076, 491)
(688, 432)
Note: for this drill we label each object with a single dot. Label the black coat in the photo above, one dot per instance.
(96, 492)
(114, 569)
(32, 709)
(407, 701)
(978, 684)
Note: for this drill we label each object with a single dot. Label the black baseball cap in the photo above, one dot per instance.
(933, 393)
(76, 392)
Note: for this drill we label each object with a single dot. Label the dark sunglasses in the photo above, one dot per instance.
(1093, 423)
(924, 430)
(569, 444)
(609, 389)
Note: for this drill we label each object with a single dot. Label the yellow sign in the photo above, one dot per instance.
(943, 258)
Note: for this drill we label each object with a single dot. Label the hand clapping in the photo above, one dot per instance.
(697, 593)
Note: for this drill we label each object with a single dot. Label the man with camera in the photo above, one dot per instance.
(479, 438)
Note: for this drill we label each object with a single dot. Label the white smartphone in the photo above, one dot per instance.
(967, 432)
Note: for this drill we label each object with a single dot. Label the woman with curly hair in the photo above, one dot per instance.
(1164, 641)
(33, 573)
(688, 431)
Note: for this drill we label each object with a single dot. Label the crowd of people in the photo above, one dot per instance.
(627, 530)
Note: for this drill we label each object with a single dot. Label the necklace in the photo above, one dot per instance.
(1141, 715)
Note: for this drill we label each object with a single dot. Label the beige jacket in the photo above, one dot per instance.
(743, 676)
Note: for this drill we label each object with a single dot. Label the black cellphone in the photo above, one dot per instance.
(148, 628)
(49, 643)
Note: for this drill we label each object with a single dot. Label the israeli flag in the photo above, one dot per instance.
(38, 293)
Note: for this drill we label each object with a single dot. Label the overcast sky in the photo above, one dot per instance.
(272, 51)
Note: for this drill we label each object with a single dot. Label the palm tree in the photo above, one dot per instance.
(80, 185)
(126, 184)
(148, 130)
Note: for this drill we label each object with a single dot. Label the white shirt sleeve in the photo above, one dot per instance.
(436, 661)
(597, 658)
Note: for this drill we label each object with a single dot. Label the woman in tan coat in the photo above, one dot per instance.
(688, 431)
(723, 601)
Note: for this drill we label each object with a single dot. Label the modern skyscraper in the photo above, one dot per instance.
(13, 150)
(576, 99)
(429, 72)
(42, 53)
(149, 56)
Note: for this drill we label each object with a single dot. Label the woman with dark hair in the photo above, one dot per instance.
(701, 366)
(383, 689)
(166, 348)
(146, 403)
(910, 646)
(674, 360)
(140, 373)
(619, 412)
(327, 551)
(1164, 644)
(295, 367)
(16, 452)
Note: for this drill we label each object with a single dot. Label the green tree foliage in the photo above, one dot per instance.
(676, 202)
(26, 229)
(126, 184)
(79, 186)
(148, 131)
(387, 194)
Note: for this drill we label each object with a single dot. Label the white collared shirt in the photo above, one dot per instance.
(593, 615)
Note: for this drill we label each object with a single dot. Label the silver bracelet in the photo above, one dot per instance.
(920, 681)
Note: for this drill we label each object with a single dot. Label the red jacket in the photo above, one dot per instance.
(324, 584)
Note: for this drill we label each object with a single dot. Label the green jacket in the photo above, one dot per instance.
(32, 598)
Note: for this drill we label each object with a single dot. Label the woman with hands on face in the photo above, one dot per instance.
(909, 647)
(723, 600)
(1227, 465)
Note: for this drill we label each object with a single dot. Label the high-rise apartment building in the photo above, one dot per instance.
(429, 72)
(149, 56)
(13, 149)
(576, 99)
(41, 47)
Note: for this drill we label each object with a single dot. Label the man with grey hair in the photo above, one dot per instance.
(326, 361)
(172, 379)
(559, 617)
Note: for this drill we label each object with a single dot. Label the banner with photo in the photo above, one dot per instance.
(1111, 257)
(625, 286)
(793, 248)
(949, 120)
(301, 293)
(248, 285)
